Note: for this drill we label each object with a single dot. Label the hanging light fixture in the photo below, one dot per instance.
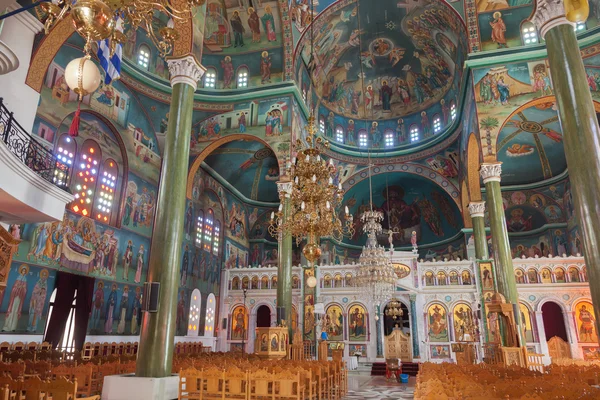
(394, 309)
(97, 20)
(375, 277)
(315, 200)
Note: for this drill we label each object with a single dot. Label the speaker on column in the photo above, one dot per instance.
(224, 324)
(150, 296)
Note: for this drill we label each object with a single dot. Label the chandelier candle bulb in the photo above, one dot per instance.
(307, 158)
(171, 23)
(330, 180)
(328, 205)
(318, 158)
(331, 161)
(296, 180)
(272, 215)
(346, 209)
(302, 206)
(314, 178)
(280, 207)
(340, 186)
(294, 160)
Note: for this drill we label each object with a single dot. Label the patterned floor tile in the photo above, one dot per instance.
(367, 387)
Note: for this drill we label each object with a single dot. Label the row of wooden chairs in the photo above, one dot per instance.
(38, 389)
(191, 348)
(221, 378)
(108, 349)
(20, 346)
(483, 381)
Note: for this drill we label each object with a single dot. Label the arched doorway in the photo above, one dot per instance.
(391, 319)
(556, 331)
(263, 317)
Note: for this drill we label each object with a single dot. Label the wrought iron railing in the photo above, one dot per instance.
(31, 152)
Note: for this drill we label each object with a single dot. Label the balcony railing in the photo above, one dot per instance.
(31, 152)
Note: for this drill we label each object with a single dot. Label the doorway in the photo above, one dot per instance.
(263, 317)
(400, 321)
(556, 331)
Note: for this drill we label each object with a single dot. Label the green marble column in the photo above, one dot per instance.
(155, 355)
(581, 133)
(505, 276)
(477, 211)
(284, 269)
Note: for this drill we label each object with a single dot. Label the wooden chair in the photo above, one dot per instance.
(102, 371)
(287, 385)
(5, 392)
(14, 386)
(260, 385)
(190, 384)
(83, 375)
(34, 389)
(213, 383)
(62, 389)
(31, 346)
(18, 346)
(114, 348)
(97, 349)
(135, 347)
(88, 351)
(15, 370)
(45, 346)
(4, 347)
(236, 383)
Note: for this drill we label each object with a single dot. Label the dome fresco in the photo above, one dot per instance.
(393, 63)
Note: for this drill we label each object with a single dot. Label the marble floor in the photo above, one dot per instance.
(376, 387)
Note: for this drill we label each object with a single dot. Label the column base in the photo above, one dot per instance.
(130, 387)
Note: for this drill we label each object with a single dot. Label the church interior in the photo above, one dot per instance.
(299, 199)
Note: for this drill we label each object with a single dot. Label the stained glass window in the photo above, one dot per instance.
(208, 231)
(216, 238)
(105, 190)
(199, 228)
(87, 164)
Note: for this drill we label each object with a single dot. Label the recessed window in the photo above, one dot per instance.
(437, 123)
(210, 79)
(242, 77)
(389, 139)
(362, 139)
(208, 231)
(580, 26)
(529, 33)
(199, 229)
(339, 134)
(322, 125)
(216, 238)
(453, 111)
(143, 57)
(414, 133)
(65, 151)
(106, 192)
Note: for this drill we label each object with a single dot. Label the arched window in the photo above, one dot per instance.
(199, 228)
(208, 231)
(339, 134)
(216, 236)
(84, 183)
(529, 33)
(209, 320)
(414, 133)
(389, 138)
(65, 151)
(242, 77)
(322, 125)
(453, 110)
(437, 123)
(106, 192)
(194, 320)
(363, 140)
(143, 58)
(210, 78)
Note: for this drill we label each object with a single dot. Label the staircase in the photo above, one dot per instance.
(410, 368)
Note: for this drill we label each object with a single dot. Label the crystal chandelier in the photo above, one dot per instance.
(314, 201)
(97, 20)
(394, 309)
(376, 277)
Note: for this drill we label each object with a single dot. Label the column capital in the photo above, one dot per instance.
(490, 172)
(548, 14)
(284, 188)
(412, 297)
(477, 208)
(186, 69)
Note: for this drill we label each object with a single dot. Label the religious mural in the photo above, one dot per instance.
(25, 302)
(440, 351)
(239, 324)
(334, 323)
(116, 309)
(585, 319)
(437, 321)
(526, 322)
(464, 326)
(139, 206)
(357, 323)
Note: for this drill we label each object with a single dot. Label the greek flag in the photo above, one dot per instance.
(111, 64)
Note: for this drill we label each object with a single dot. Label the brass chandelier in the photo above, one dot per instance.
(97, 20)
(394, 309)
(315, 201)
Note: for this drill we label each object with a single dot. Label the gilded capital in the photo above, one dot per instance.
(186, 70)
(477, 209)
(548, 14)
(490, 172)
(284, 188)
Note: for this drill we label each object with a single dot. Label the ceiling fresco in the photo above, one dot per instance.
(531, 141)
(248, 166)
(395, 59)
(409, 203)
